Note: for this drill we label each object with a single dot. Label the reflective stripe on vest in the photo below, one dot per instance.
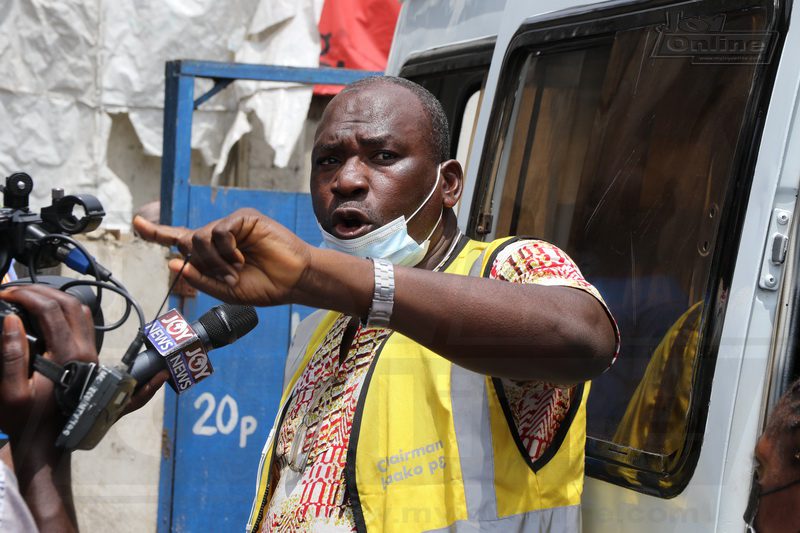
(432, 449)
(470, 413)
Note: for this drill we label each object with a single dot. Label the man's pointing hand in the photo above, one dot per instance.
(243, 258)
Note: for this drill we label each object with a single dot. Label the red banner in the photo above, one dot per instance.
(356, 34)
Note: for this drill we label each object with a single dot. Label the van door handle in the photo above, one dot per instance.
(775, 249)
(780, 243)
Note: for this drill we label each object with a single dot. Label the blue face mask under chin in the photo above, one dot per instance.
(390, 241)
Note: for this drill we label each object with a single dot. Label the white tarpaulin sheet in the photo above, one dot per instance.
(65, 65)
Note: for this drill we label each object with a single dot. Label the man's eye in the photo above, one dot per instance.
(328, 160)
(385, 156)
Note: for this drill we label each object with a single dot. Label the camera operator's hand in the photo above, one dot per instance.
(28, 411)
(146, 392)
(67, 327)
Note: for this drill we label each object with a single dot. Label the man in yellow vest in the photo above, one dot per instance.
(445, 388)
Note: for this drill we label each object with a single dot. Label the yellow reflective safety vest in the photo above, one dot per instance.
(433, 446)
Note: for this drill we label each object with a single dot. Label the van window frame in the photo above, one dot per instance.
(605, 460)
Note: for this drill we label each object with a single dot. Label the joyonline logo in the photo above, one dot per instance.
(188, 366)
(184, 353)
(169, 332)
(176, 326)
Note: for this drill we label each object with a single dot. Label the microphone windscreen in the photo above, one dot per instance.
(225, 323)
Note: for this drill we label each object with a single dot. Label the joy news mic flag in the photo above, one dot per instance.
(186, 357)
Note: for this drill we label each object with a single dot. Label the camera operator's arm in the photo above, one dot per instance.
(14, 512)
(28, 411)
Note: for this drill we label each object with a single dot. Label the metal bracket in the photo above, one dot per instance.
(775, 250)
(219, 84)
(484, 224)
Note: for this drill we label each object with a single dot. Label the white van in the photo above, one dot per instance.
(658, 143)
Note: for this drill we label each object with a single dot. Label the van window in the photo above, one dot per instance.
(628, 153)
(466, 133)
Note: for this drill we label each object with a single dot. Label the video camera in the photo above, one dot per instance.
(38, 240)
(91, 396)
(94, 396)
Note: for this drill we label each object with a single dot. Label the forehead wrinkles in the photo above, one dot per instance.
(340, 132)
(369, 113)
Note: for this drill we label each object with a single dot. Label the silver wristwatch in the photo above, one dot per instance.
(383, 296)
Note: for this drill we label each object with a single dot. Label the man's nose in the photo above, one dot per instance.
(352, 179)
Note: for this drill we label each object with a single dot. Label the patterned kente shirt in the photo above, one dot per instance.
(311, 495)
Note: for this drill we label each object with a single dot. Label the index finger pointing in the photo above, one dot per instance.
(159, 233)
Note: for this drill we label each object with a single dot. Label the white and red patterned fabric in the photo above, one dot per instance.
(324, 403)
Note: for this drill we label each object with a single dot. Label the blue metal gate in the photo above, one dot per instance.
(213, 433)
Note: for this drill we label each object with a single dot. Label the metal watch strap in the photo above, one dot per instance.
(383, 295)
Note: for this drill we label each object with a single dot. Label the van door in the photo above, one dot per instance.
(628, 136)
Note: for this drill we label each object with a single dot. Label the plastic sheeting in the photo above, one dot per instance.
(68, 64)
(282, 32)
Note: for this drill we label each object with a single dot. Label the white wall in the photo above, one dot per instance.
(116, 484)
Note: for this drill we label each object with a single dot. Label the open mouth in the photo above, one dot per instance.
(350, 223)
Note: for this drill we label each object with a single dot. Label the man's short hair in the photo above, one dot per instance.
(439, 130)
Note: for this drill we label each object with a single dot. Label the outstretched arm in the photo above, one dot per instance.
(507, 330)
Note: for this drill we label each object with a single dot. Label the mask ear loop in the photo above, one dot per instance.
(430, 194)
(434, 226)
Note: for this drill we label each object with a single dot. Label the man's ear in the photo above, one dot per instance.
(452, 182)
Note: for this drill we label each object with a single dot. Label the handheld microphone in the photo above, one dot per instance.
(103, 392)
(183, 348)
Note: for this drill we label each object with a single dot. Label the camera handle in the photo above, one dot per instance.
(72, 380)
